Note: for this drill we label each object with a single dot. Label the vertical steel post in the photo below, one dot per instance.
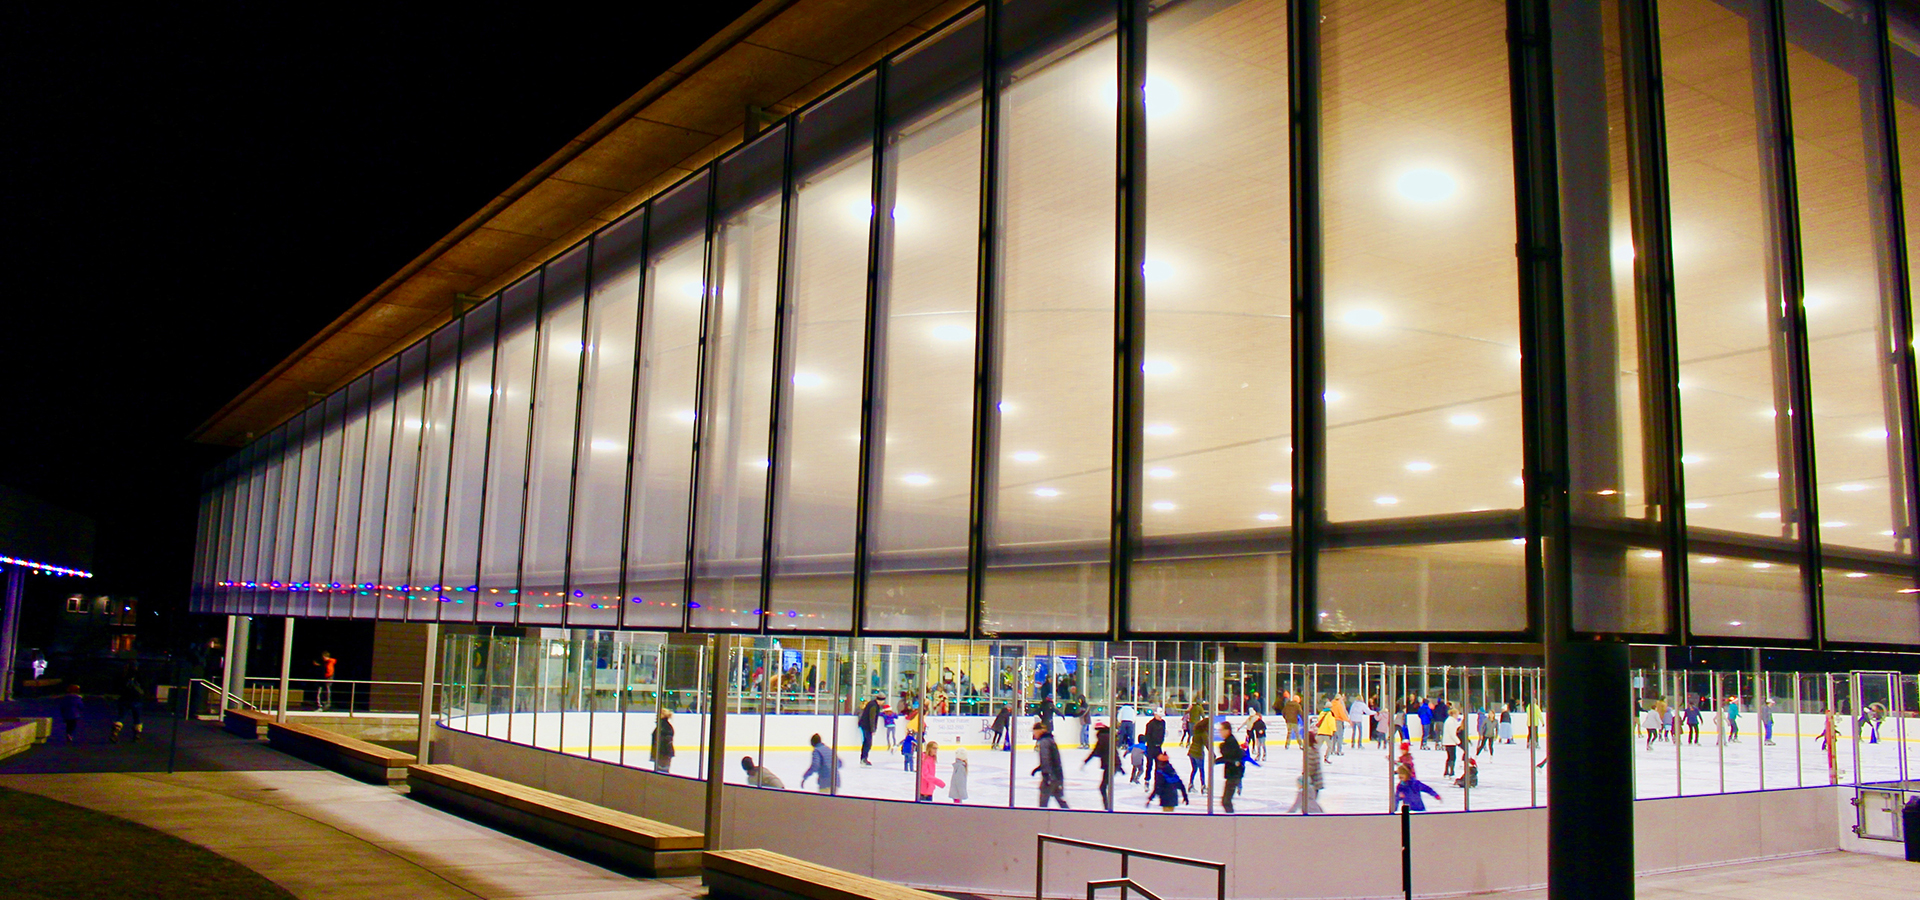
(423, 749)
(286, 667)
(226, 667)
(1130, 309)
(716, 748)
(1308, 308)
(986, 368)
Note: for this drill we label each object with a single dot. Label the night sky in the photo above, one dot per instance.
(192, 192)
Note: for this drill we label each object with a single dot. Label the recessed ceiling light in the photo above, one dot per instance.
(1735, 622)
(1280, 487)
(1426, 185)
(1160, 473)
(1770, 476)
(1698, 505)
(807, 380)
(1709, 560)
(1418, 466)
(1853, 487)
(1364, 318)
(1766, 515)
(1268, 517)
(1649, 554)
(1160, 430)
(1833, 524)
(1607, 493)
(1163, 506)
(1006, 407)
(1463, 420)
(1691, 459)
(1045, 492)
(1026, 456)
(1386, 501)
(685, 415)
(952, 332)
(1874, 434)
(917, 480)
(605, 446)
(1155, 269)
(1763, 565)
(1518, 542)
(1158, 367)
(1856, 574)
(1331, 396)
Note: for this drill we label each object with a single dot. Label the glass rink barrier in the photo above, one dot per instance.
(974, 712)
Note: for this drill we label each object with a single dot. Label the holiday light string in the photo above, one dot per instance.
(439, 591)
(44, 567)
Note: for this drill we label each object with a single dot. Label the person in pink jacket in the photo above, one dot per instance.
(929, 772)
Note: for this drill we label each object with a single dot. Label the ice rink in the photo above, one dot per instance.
(1357, 780)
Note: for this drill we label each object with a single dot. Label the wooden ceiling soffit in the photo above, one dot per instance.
(778, 56)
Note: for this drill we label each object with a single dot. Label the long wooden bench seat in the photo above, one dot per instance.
(369, 762)
(575, 826)
(246, 723)
(766, 875)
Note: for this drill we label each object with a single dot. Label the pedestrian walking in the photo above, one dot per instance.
(71, 705)
(127, 706)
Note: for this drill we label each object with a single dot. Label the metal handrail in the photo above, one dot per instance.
(1126, 856)
(1124, 884)
(214, 690)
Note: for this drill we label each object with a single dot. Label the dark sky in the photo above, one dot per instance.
(191, 192)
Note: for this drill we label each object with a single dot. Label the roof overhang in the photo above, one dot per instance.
(777, 57)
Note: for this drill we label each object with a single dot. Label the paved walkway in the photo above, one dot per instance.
(321, 835)
(1825, 876)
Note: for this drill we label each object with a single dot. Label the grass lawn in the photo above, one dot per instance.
(57, 851)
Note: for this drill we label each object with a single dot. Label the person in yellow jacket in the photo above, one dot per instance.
(1325, 727)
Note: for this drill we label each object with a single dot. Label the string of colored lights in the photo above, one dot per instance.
(44, 567)
(438, 593)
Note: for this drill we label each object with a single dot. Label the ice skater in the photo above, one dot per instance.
(1410, 789)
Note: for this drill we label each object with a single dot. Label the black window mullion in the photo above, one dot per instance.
(573, 459)
(1309, 311)
(782, 398)
(526, 460)
(640, 310)
(1130, 309)
(986, 370)
(709, 298)
(873, 380)
(1900, 340)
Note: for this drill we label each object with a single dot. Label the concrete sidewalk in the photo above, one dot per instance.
(324, 836)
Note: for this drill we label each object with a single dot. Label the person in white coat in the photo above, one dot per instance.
(1362, 716)
(1450, 737)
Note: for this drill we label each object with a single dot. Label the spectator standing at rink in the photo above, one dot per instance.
(957, 779)
(1450, 739)
(760, 776)
(929, 777)
(1362, 716)
(1053, 776)
(824, 764)
(869, 722)
(662, 742)
(1165, 785)
(1084, 711)
(1233, 760)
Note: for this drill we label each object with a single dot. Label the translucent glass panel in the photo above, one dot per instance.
(439, 400)
(371, 527)
(1047, 553)
(1422, 312)
(333, 453)
(1872, 607)
(286, 530)
(265, 493)
(352, 494)
(820, 442)
(506, 478)
(1733, 382)
(661, 482)
(467, 487)
(1752, 598)
(403, 489)
(556, 395)
(1422, 346)
(1218, 452)
(737, 405)
(1833, 67)
(917, 538)
(306, 500)
(606, 421)
(1478, 586)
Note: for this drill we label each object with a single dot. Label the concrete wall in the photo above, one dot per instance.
(992, 850)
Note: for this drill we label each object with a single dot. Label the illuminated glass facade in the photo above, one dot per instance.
(1206, 319)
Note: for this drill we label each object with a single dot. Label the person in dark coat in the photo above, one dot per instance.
(132, 694)
(1234, 760)
(71, 705)
(1002, 723)
(662, 742)
(1165, 785)
(1053, 776)
(869, 721)
(1156, 734)
(1103, 751)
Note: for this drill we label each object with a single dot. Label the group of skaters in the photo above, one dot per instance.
(1659, 721)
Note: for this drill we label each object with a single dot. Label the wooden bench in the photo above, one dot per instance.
(246, 723)
(580, 828)
(369, 762)
(766, 875)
